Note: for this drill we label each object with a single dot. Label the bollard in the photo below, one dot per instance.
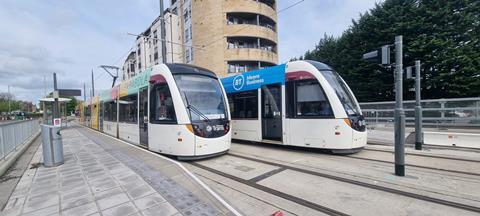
(52, 146)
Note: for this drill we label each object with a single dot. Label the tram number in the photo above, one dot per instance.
(218, 127)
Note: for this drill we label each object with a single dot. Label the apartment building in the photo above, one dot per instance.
(225, 36)
(148, 51)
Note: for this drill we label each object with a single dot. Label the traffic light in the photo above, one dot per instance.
(380, 56)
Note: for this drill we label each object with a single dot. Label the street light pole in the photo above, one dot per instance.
(418, 108)
(399, 112)
(163, 33)
(9, 99)
(93, 86)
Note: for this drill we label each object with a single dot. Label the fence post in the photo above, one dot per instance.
(477, 110)
(2, 144)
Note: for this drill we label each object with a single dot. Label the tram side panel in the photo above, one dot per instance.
(247, 130)
(319, 133)
(110, 128)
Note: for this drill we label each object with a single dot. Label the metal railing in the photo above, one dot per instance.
(453, 112)
(14, 134)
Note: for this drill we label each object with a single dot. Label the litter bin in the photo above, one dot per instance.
(52, 146)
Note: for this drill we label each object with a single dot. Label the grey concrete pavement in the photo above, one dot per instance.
(10, 178)
(102, 179)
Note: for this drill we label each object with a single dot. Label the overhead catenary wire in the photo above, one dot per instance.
(167, 41)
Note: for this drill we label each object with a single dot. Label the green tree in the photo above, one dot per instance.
(445, 37)
(71, 105)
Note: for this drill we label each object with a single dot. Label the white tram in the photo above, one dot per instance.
(301, 103)
(173, 109)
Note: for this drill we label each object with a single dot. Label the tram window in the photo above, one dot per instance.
(162, 110)
(110, 111)
(128, 109)
(244, 105)
(306, 99)
(311, 100)
(106, 111)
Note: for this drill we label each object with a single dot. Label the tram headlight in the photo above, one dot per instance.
(208, 128)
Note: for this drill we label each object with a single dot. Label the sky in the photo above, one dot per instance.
(72, 38)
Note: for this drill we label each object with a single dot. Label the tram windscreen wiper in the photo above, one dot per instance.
(194, 109)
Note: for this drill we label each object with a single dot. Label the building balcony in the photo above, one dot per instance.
(239, 18)
(251, 54)
(251, 6)
(247, 30)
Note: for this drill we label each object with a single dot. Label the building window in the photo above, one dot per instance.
(190, 33)
(191, 54)
(244, 105)
(187, 14)
(187, 55)
(155, 36)
(186, 35)
(128, 109)
(162, 109)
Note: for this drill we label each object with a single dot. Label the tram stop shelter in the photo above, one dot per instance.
(48, 103)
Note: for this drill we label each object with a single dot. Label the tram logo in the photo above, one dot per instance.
(238, 82)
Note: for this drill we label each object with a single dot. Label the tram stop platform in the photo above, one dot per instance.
(104, 176)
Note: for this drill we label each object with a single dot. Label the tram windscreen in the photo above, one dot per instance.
(342, 91)
(203, 94)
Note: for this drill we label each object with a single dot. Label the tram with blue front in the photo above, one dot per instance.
(300, 103)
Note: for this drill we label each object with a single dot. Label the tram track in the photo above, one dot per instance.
(254, 184)
(423, 155)
(416, 166)
(314, 152)
(336, 178)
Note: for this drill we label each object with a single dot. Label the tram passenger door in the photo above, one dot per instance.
(143, 116)
(272, 112)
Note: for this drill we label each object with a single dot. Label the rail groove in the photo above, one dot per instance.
(289, 197)
(367, 185)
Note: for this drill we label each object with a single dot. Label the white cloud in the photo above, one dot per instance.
(302, 26)
(72, 37)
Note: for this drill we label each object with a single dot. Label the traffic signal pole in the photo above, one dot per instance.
(418, 109)
(399, 112)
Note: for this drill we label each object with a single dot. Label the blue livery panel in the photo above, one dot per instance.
(254, 79)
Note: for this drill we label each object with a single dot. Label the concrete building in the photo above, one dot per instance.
(148, 51)
(225, 36)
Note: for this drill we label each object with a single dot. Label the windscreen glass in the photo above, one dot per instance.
(202, 95)
(342, 91)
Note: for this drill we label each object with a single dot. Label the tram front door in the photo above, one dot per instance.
(143, 117)
(272, 112)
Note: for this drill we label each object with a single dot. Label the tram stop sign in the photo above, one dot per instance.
(69, 92)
